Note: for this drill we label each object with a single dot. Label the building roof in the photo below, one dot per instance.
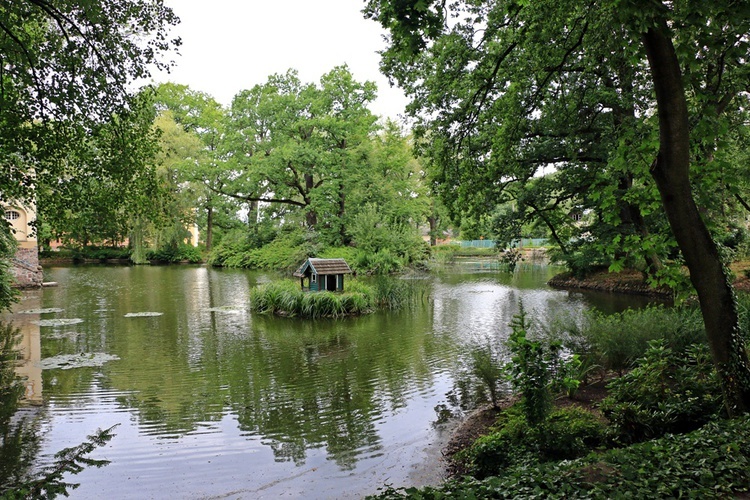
(324, 266)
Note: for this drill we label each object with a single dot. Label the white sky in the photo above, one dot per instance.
(232, 45)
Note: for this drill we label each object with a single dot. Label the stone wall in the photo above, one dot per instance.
(27, 273)
(535, 255)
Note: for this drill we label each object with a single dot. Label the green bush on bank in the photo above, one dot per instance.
(180, 253)
(668, 391)
(565, 434)
(614, 341)
(711, 462)
(171, 255)
(284, 252)
(88, 253)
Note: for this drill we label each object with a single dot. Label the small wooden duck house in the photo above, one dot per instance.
(323, 274)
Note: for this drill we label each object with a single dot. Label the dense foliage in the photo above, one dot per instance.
(76, 139)
(668, 391)
(711, 462)
(564, 435)
(562, 111)
(537, 370)
(613, 342)
(669, 402)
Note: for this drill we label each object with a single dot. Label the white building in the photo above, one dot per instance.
(26, 269)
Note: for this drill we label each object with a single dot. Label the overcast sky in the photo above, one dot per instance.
(231, 45)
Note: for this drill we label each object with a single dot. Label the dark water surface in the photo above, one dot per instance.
(215, 402)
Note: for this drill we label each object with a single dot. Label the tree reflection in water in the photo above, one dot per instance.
(19, 439)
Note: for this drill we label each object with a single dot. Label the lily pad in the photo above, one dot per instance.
(144, 314)
(45, 310)
(84, 359)
(58, 321)
(226, 309)
(58, 335)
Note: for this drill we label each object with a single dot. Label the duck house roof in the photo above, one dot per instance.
(324, 266)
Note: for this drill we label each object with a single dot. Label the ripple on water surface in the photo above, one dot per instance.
(212, 400)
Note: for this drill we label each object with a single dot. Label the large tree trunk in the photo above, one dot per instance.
(345, 240)
(311, 216)
(672, 176)
(432, 220)
(209, 227)
(630, 215)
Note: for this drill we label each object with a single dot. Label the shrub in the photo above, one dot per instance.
(385, 245)
(615, 341)
(180, 253)
(103, 253)
(567, 433)
(581, 259)
(347, 253)
(232, 243)
(91, 252)
(381, 262)
(283, 253)
(669, 391)
(711, 462)
(538, 370)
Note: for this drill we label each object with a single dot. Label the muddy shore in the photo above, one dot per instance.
(628, 282)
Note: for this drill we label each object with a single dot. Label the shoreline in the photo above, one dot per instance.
(626, 282)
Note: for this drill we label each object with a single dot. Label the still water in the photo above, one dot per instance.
(212, 401)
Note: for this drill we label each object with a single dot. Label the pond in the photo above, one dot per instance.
(212, 401)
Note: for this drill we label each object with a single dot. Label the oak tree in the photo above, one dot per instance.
(617, 97)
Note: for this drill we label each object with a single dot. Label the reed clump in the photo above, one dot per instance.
(285, 298)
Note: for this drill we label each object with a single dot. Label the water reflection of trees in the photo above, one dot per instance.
(19, 442)
(325, 384)
(296, 385)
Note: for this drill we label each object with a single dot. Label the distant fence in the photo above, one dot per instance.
(523, 243)
(476, 243)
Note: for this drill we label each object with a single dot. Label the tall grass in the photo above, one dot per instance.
(613, 342)
(396, 293)
(285, 298)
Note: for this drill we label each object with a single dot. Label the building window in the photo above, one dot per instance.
(314, 278)
(12, 215)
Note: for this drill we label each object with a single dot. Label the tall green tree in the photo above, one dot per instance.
(395, 179)
(201, 115)
(296, 144)
(107, 177)
(617, 95)
(67, 67)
